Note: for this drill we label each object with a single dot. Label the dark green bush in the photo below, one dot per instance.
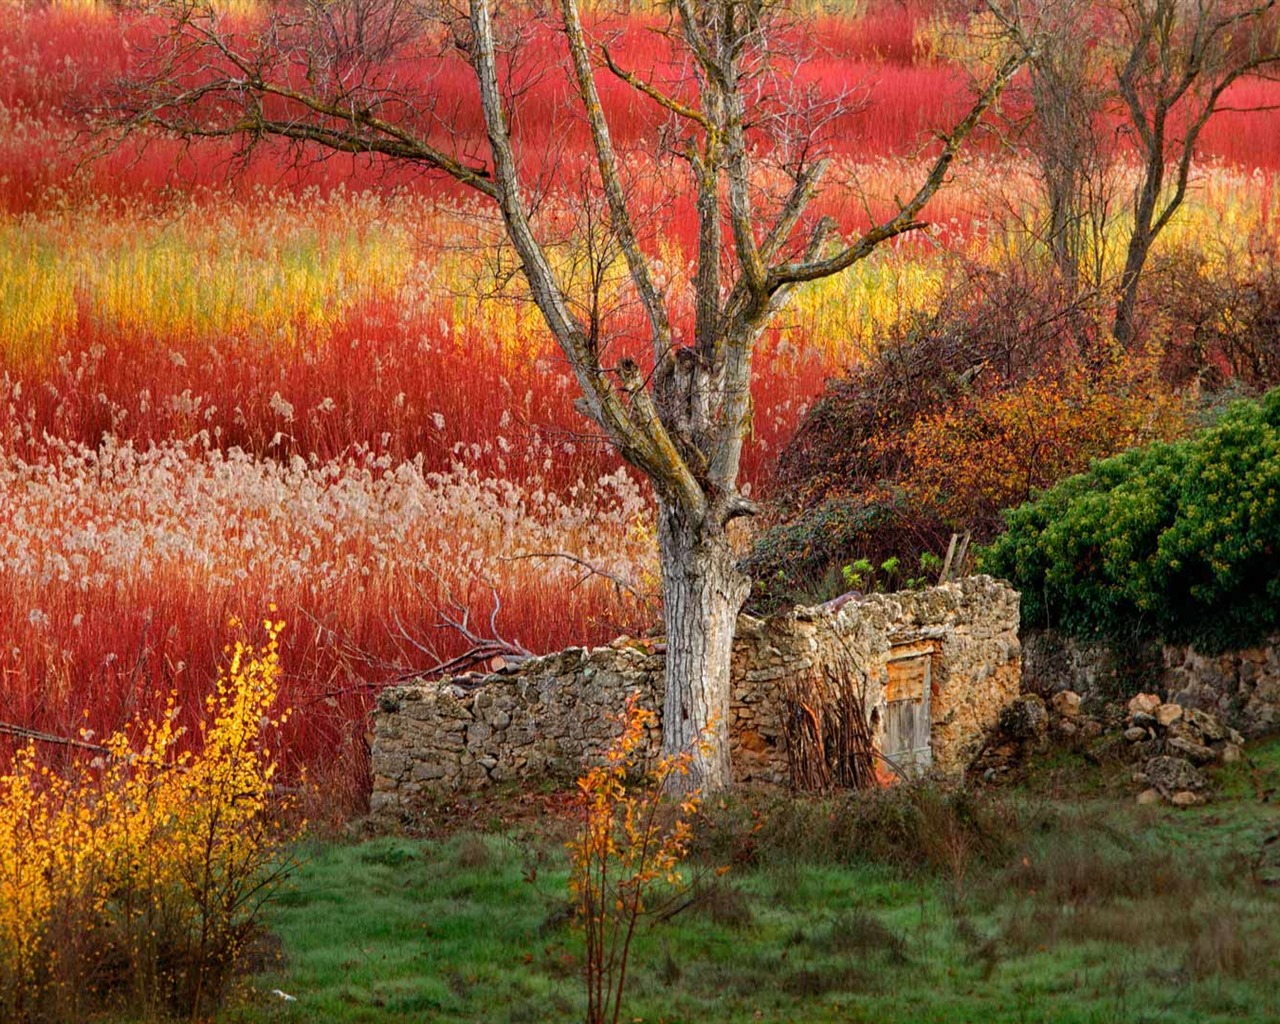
(800, 561)
(1174, 542)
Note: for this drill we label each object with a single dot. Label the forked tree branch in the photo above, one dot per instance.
(684, 424)
(667, 102)
(906, 219)
(607, 162)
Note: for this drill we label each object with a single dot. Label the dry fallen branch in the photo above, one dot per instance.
(36, 736)
(828, 737)
(591, 570)
(421, 658)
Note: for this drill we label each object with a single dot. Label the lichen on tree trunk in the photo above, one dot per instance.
(682, 420)
(703, 591)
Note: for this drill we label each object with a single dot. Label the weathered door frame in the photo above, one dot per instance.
(907, 737)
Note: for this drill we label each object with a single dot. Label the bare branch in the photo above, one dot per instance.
(36, 736)
(657, 95)
(642, 439)
(906, 218)
(607, 161)
(591, 570)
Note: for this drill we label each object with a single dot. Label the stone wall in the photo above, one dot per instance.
(1240, 687)
(544, 718)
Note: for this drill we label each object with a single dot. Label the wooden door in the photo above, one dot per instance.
(907, 742)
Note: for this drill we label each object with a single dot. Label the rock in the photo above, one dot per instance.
(1206, 725)
(1149, 796)
(1194, 752)
(1231, 753)
(753, 742)
(1185, 798)
(1144, 704)
(1173, 774)
(1235, 737)
(425, 771)
(1067, 728)
(1136, 734)
(1025, 718)
(1090, 729)
(1167, 714)
(1066, 704)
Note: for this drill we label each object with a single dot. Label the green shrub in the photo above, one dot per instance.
(839, 545)
(1174, 542)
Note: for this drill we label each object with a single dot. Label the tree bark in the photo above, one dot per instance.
(1125, 327)
(703, 591)
(683, 425)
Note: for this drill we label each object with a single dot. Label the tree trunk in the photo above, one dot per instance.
(1125, 327)
(702, 592)
(1063, 238)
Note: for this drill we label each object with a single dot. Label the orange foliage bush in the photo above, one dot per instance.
(987, 452)
(630, 846)
(1011, 384)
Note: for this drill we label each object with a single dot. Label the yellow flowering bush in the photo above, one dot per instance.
(135, 879)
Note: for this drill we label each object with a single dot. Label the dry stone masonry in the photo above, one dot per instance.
(1241, 687)
(1169, 745)
(949, 656)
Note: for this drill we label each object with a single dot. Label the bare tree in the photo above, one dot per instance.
(1142, 76)
(1182, 57)
(1075, 155)
(336, 74)
(1053, 114)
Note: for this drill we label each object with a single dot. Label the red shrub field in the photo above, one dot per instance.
(233, 379)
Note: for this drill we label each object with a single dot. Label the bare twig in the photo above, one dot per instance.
(592, 570)
(35, 735)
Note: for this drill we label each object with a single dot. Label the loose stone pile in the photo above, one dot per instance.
(1068, 720)
(1241, 687)
(1171, 745)
(1022, 731)
(1174, 743)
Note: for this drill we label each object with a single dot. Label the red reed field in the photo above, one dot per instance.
(233, 379)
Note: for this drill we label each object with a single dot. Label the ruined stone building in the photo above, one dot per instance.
(888, 683)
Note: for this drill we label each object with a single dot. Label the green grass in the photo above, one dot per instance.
(1085, 909)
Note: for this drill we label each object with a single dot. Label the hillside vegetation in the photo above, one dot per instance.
(1174, 542)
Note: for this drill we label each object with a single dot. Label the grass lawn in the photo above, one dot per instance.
(1058, 901)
